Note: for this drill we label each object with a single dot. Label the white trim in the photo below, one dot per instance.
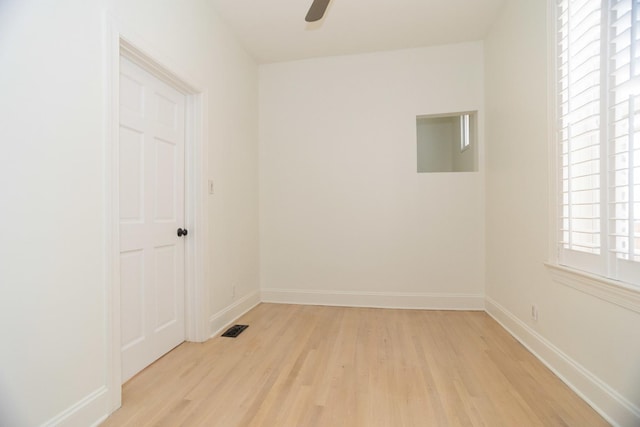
(552, 158)
(613, 407)
(230, 314)
(618, 293)
(197, 248)
(112, 242)
(89, 411)
(420, 301)
(120, 40)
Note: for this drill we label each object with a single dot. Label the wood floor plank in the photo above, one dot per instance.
(336, 366)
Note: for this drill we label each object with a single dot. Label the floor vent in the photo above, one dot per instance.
(235, 330)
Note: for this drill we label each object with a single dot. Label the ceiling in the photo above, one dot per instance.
(275, 30)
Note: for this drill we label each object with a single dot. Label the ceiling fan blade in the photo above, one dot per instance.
(316, 11)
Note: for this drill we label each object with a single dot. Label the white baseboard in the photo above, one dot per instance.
(615, 408)
(89, 411)
(430, 301)
(224, 317)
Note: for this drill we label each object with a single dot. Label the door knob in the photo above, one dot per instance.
(182, 232)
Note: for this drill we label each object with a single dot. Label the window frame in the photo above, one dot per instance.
(594, 282)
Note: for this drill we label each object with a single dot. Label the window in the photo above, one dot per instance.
(464, 132)
(598, 106)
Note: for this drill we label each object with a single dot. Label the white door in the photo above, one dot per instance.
(151, 174)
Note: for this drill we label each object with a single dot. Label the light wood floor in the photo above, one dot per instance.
(329, 366)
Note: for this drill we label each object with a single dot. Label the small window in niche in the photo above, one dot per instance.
(464, 132)
(447, 142)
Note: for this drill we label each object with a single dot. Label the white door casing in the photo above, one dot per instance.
(151, 209)
(123, 40)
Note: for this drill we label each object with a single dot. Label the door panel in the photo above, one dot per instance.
(165, 156)
(132, 296)
(165, 263)
(151, 183)
(131, 173)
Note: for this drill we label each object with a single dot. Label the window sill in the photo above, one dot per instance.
(609, 290)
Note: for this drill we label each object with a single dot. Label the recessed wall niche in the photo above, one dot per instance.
(447, 142)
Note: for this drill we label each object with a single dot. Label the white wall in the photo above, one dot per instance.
(52, 245)
(344, 216)
(52, 249)
(592, 343)
(435, 140)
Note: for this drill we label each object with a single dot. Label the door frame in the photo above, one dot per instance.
(120, 40)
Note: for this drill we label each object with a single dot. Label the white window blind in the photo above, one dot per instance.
(598, 104)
